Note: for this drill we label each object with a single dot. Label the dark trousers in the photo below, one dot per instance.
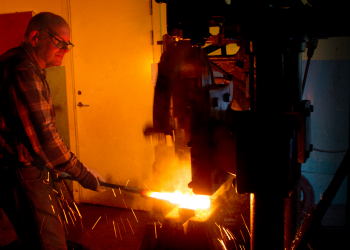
(29, 201)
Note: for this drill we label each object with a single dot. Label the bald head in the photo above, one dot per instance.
(45, 21)
(49, 37)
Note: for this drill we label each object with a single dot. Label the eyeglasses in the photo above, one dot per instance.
(60, 44)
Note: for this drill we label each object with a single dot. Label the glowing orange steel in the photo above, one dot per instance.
(189, 201)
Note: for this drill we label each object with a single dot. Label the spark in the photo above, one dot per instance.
(240, 247)
(127, 183)
(53, 210)
(65, 215)
(220, 230)
(160, 224)
(42, 224)
(222, 243)
(174, 135)
(134, 214)
(243, 247)
(65, 227)
(325, 133)
(124, 203)
(83, 228)
(120, 191)
(50, 197)
(246, 225)
(130, 225)
(119, 231)
(44, 182)
(123, 224)
(48, 176)
(114, 192)
(308, 244)
(77, 209)
(242, 235)
(55, 191)
(71, 218)
(115, 233)
(60, 220)
(147, 187)
(96, 223)
(62, 193)
(155, 229)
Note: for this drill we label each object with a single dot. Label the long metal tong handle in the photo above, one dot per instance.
(110, 185)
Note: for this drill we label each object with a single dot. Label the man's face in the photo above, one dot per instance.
(47, 53)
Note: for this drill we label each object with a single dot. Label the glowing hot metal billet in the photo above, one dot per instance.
(189, 201)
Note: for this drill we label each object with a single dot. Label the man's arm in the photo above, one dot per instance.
(32, 103)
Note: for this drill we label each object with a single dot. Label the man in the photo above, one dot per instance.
(30, 146)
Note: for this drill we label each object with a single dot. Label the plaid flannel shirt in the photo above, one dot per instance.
(27, 116)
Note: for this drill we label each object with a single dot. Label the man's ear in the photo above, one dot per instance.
(34, 38)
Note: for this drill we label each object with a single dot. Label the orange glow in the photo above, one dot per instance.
(189, 201)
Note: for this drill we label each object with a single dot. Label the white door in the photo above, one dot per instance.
(112, 79)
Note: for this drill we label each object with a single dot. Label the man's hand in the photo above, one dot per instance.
(99, 178)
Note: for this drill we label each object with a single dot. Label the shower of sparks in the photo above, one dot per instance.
(115, 233)
(123, 224)
(222, 243)
(75, 219)
(228, 236)
(53, 210)
(246, 225)
(127, 183)
(64, 212)
(119, 232)
(242, 235)
(130, 225)
(71, 218)
(114, 192)
(77, 209)
(96, 223)
(41, 228)
(125, 204)
(134, 214)
(233, 237)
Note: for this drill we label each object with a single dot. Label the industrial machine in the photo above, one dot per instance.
(248, 125)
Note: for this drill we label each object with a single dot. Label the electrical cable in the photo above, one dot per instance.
(330, 151)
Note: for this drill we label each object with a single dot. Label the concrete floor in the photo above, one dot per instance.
(128, 234)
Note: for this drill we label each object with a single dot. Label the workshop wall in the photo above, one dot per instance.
(327, 86)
